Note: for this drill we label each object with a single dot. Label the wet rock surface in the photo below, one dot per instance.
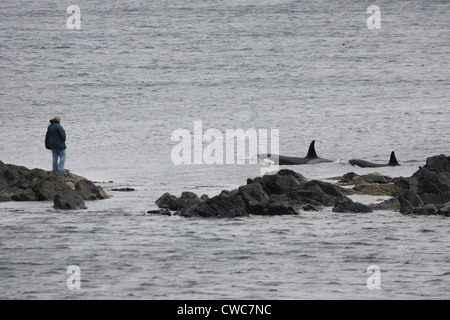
(428, 190)
(65, 189)
(284, 193)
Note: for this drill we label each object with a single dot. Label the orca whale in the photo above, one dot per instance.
(366, 164)
(311, 158)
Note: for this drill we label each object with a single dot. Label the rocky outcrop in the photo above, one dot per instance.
(67, 190)
(428, 190)
(374, 184)
(284, 193)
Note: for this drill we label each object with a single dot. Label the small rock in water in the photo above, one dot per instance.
(164, 212)
(123, 189)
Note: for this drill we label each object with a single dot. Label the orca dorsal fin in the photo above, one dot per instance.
(393, 161)
(312, 151)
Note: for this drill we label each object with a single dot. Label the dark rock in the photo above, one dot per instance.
(200, 209)
(425, 209)
(13, 175)
(350, 206)
(189, 197)
(89, 191)
(432, 186)
(25, 195)
(69, 200)
(18, 183)
(123, 189)
(287, 191)
(405, 184)
(171, 202)
(279, 194)
(409, 200)
(225, 205)
(444, 210)
(254, 197)
(391, 204)
(429, 185)
(164, 212)
(4, 197)
(348, 178)
(440, 163)
(317, 193)
(436, 169)
(277, 206)
(36, 174)
(168, 201)
(309, 207)
(47, 188)
(283, 181)
(406, 188)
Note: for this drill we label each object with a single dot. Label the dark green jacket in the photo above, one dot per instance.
(55, 137)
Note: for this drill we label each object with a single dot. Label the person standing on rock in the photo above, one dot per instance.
(55, 140)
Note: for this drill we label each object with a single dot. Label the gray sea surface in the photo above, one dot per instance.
(139, 70)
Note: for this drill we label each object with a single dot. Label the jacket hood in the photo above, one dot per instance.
(54, 121)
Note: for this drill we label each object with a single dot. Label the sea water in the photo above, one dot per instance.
(136, 71)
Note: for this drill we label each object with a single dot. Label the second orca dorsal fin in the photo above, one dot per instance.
(393, 161)
(312, 151)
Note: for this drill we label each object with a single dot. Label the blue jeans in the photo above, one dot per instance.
(61, 154)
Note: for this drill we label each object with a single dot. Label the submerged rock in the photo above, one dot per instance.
(126, 189)
(164, 212)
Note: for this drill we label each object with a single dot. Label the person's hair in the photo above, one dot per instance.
(57, 118)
